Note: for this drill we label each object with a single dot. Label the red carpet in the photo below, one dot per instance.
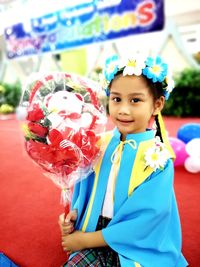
(29, 204)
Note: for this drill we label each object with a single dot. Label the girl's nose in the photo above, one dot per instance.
(124, 109)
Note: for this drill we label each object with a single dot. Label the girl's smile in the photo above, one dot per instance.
(126, 122)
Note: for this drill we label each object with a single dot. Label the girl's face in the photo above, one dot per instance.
(132, 105)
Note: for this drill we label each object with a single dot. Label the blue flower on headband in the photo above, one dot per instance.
(111, 67)
(155, 69)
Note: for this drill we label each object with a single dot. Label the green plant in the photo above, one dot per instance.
(10, 96)
(185, 98)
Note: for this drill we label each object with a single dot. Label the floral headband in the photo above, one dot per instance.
(153, 68)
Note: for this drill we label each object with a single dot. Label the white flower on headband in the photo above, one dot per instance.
(170, 84)
(157, 155)
(134, 66)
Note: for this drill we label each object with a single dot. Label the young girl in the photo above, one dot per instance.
(125, 213)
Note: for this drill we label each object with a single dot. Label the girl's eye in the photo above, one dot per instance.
(135, 100)
(116, 99)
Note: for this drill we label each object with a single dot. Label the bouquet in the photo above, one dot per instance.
(63, 121)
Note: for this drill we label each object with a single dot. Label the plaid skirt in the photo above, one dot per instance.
(101, 257)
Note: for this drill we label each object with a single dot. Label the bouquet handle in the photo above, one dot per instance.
(67, 209)
(66, 200)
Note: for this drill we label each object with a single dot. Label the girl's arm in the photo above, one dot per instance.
(80, 240)
(94, 239)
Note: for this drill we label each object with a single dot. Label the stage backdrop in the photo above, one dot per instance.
(83, 24)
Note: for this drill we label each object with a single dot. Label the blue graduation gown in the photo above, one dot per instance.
(145, 228)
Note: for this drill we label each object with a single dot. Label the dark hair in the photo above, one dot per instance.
(156, 88)
(157, 92)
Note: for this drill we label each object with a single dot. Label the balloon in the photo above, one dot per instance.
(193, 147)
(179, 150)
(192, 164)
(188, 132)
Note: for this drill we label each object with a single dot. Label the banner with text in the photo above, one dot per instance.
(83, 24)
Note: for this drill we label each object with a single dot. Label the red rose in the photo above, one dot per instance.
(86, 140)
(38, 129)
(55, 137)
(35, 113)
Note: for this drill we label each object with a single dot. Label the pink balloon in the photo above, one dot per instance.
(179, 150)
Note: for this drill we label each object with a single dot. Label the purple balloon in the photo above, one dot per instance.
(179, 150)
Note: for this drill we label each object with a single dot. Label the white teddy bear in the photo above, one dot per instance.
(66, 110)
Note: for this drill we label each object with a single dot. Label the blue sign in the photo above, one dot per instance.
(84, 24)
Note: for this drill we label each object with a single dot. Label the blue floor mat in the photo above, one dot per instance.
(6, 262)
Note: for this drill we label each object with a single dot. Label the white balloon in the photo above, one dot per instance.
(193, 147)
(192, 164)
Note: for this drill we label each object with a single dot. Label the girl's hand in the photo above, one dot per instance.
(67, 225)
(73, 242)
